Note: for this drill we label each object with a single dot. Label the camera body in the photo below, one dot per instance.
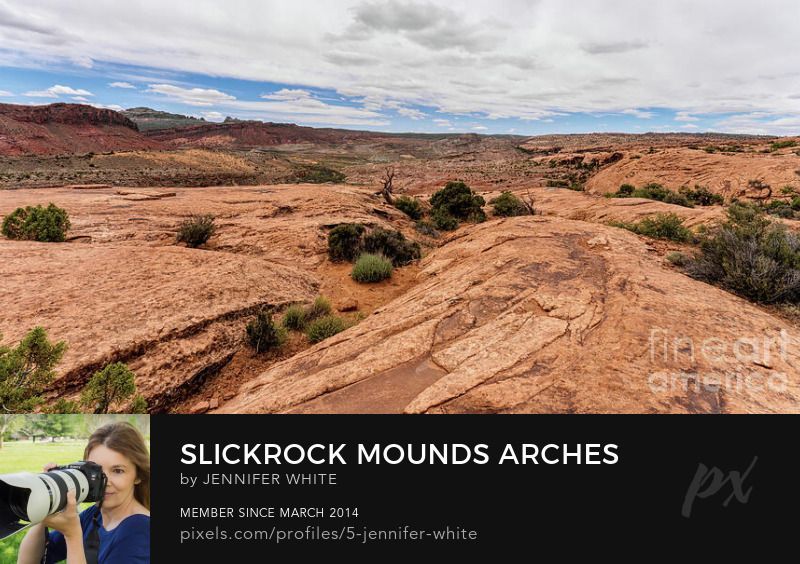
(32, 497)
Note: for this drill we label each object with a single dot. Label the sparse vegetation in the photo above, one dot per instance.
(371, 268)
(113, 384)
(321, 306)
(263, 334)
(426, 228)
(458, 201)
(297, 317)
(508, 205)
(392, 245)
(677, 258)
(37, 223)
(26, 370)
(750, 256)
(701, 196)
(661, 226)
(325, 327)
(294, 318)
(652, 191)
(316, 174)
(443, 220)
(196, 230)
(785, 144)
(345, 242)
(412, 207)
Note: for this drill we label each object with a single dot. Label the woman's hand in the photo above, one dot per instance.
(66, 521)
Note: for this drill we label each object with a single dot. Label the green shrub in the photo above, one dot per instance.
(294, 318)
(653, 191)
(113, 384)
(321, 306)
(345, 242)
(371, 268)
(196, 230)
(138, 405)
(701, 196)
(324, 327)
(393, 245)
(263, 334)
(458, 200)
(750, 256)
(796, 203)
(26, 370)
(508, 205)
(427, 229)
(677, 258)
(409, 206)
(316, 174)
(48, 224)
(782, 144)
(443, 220)
(779, 208)
(661, 226)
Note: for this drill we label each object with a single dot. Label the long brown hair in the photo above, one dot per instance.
(128, 441)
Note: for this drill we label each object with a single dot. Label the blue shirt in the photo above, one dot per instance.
(127, 543)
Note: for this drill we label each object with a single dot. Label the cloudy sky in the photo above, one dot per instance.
(513, 66)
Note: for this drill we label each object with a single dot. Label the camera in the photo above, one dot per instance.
(31, 497)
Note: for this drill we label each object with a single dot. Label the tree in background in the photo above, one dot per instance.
(8, 423)
(112, 384)
(53, 425)
(26, 370)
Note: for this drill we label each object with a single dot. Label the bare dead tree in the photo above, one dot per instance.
(528, 201)
(387, 180)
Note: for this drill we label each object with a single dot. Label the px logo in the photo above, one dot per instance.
(709, 482)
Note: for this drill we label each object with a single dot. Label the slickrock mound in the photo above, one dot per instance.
(283, 223)
(121, 290)
(539, 314)
(169, 312)
(728, 174)
(66, 128)
(581, 206)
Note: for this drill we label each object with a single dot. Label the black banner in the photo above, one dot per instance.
(239, 487)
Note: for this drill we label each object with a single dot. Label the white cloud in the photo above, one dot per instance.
(480, 128)
(685, 116)
(115, 107)
(283, 105)
(213, 116)
(412, 113)
(121, 85)
(689, 126)
(516, 58)
(638, 113)
(5, 93)
(760, 123)
(288, 94)
(57, 90)
(80, 99)
(440, 122)
(190, 96)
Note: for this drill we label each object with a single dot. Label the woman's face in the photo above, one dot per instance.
(121, 473)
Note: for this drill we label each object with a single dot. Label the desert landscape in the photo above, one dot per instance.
(575, 292)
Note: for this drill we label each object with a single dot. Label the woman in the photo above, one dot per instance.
(121, 523)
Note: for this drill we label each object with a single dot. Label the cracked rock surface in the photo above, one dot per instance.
(542, 314)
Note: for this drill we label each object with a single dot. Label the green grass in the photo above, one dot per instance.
(31, 457)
